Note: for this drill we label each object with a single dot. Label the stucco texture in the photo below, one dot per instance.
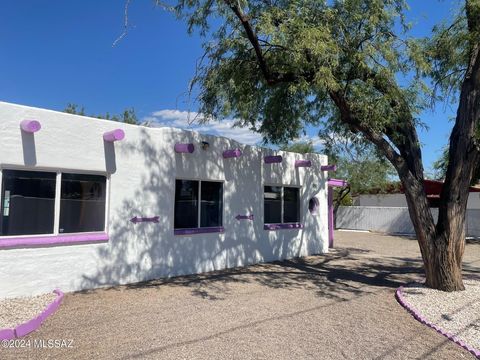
(142, 170)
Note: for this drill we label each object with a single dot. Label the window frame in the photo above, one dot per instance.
(8, 241)
(284, 225)
(199, 229)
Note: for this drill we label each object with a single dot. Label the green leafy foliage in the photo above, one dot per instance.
(299, 147)
(308, 49)
(440, 168)
(128, 116)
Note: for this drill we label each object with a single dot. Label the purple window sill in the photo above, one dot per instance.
(282, 226)
(52, 240)
(205, 230)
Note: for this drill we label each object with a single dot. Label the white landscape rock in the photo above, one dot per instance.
(455, 312)
(16, 311)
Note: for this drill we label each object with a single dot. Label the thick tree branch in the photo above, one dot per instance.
(356, 126)
(252, 37)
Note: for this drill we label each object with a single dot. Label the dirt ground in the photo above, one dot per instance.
(335, 306)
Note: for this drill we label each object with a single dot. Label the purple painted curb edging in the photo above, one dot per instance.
(52, 240)
(32, 325)
(416, 314)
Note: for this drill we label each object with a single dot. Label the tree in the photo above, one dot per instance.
(441, 164)
(299, 147)
(357, 162)
(128, 116)
(281, 65)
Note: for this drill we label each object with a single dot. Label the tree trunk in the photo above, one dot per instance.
(443, 269)
(449, 245)
(441, 252)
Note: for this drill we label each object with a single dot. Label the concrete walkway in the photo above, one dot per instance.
(335, 306)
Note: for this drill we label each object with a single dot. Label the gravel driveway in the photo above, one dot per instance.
(335, 306)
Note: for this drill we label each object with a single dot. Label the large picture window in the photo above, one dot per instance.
(281, 204)
(198, 204)
(28, 202)
(82, 203)
(32, 203)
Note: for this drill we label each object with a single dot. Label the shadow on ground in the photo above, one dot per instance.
(339, 275)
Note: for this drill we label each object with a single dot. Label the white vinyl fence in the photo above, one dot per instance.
(392, 219)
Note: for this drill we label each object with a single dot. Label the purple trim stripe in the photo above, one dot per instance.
(33, 324)
(205, 230)
(51, 240)
(282, 226)
(232, 153)
(328, 168)
(273, 159)
(114, 135)
(303, 163)
(30, 126)
(416, 314)
(331, 220)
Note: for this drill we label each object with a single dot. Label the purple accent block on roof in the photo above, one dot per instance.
(282, 226)
(205, 230)
(303, 163)
(328, 168)
(114, 135)
(232, 153)
(273, 159)
(30, 126)
(184, 148)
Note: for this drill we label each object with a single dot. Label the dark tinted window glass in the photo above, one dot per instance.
(272, 204)
(28, 202)
(291, 205)
(211, 204)
(186, 204)
(82, 203)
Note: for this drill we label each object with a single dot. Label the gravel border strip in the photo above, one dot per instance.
(416, 314)
(33, 324)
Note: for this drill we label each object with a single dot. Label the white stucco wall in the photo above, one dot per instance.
(142, 170)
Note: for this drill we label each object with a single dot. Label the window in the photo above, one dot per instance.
(281, 205)
(273, 204)
(198, 204)
(28, 202)
(82, 203)
(186, 204)
(291, 205)
(211, 204)
(32, 203)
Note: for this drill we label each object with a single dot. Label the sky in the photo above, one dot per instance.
(55, 52)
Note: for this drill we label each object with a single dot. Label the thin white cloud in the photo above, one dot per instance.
(190, 121)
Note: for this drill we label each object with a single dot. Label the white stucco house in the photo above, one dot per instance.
(87, 203)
